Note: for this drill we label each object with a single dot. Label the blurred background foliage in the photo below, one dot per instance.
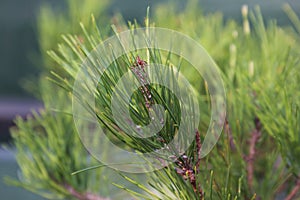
(21, 49)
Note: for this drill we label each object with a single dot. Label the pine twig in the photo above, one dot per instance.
(83, 196)
(255, 135)
(294, 191)
(198, 149)
(138, 69)
(189, 170)
(229, 135)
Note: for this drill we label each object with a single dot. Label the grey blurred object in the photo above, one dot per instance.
(10, 108)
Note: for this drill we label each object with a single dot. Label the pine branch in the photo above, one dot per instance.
(83, 196)
(294, 191)
(229, 134)
(188, 170)
(255, 135)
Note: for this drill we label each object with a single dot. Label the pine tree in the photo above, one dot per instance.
(257, 155)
